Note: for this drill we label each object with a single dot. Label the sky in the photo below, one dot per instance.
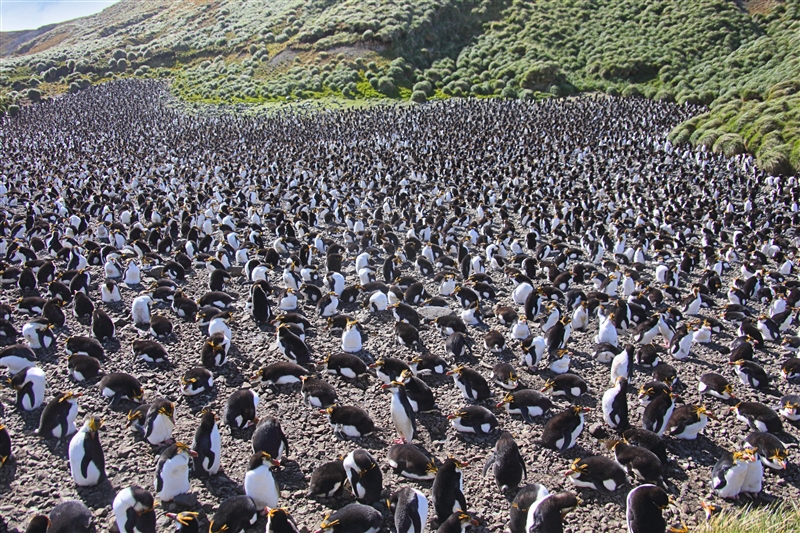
(31, 14)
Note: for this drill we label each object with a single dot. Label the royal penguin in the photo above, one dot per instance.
(689, 420)
(389, 369)
(30, 384)
(658, 412)
(364, 475)
(410, 508)
(346, 365)
(524, 499)
(58, 416)
(149, 351)
(86, 459)
(403, 415)
(207, 445)
(70, 516)
(327, 479)
(159, 421)
(259, 483)
(17, 358)
(569, 385)
(185, 521)
(596, 472)
(715, 385)
(196, 380)
(120, 386)
(38, 334)
(546, 515)
(751, 374)
(472, 384)
(645, 504)
(506, 463)
(109, 292)
(615, 405)
(527, 403)
(456, 344)
(622, 364)
(81, 345)
(505, 375)
(234, 515)
(447, 491)
(349, 421)
(269, 437)
(561, 432)
(411, 462)
(352, 518)
(351, 337)
(457, 522)
(729, 473)
(140, 310)
(172, 471)
(790, 407)
(134, 510)
(5, 445)
(407, 335)
(280, 521)
(647, 439)
(103, 328)
(292, 346)
(639, 462)
(753, 479)
(771, 450)
(318, 392)
(240, 409)
(759, 417)
(473, 419)
(82, 306)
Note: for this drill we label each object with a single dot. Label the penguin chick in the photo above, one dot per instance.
(506, 463)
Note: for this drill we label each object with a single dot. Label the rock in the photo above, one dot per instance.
(432, 313)
(187, 500)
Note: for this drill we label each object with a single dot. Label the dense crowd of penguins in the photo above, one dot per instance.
(509, 227)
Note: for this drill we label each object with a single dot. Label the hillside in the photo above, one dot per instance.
(740, 58)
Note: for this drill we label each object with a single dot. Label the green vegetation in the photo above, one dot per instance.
(778, 519)
(740, 58)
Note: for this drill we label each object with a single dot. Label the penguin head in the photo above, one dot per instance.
(186, 520)
(549, 384)
(778, 457)
(69, 396)
(577, 468)
(168, 410)
(393, 387)
(702, 410)
(93, 424)
(262, 458)
(325, 525)
(508, 398)
(466, 519)
(181, 448)
(456, 371)
(577, 410)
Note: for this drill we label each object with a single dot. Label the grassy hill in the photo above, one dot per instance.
(740, 58)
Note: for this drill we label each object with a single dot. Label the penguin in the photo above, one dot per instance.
(751, 374)
(132, 274)
(86, 459)
(506, 463)
(83, 367)
(259, 483)
(428, 364)
(411, 462)
(689, 420)
(569, 385)
(561, 432)
(389, 369)
(645, 504)
(214, 352)
(327, 479)
(71, 516)
(269, 437)
(280, 521)
(280, 373)
(638, 462)
(790, 407)
(17, 358)
(260, 308)
(615, 405)
(403, 415)
(352, 518)
(103, 328)
(715, 385)
(407, 335)
(524, 499)
(473, 419)
(648, 440)
(207, 445)
(120, 386)
(349, 421)
(456, 344)
(29, 384)
(345, 365)
(753, 479)
(410, 508)
(80, 345)
(447, 491)
(771, 450)
(504, 375)
(457, 522)
(234, 515)
(351, 337)
(658, 412)
(681, 343)
(82, 306)
(159, 422)
(622, 364)
(186, 521)
(109, 292)
(729, 474)
(58, 416)
(52, 313)
(172, 471)
(292, 346)
(596, 472)
(39, 334)
(494, 341)
(134, 510)
(196, 381)
(364, 475)
(149, 351)
(240, 409)
(527, 403)
(759, 417)
(140, 310)
(546, 514)
(5, 445)
(472, 384)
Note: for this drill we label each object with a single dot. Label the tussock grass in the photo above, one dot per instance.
(783, 518)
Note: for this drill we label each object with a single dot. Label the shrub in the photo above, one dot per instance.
(368, 35)
(386, 85)
(665, 95)
(419, 97)
(33, 82)
(631, 91)
(775, 161)
(13, 110)
(122, 64)
(34, 95)
(509, 93)
(729, 144)
(118, 54)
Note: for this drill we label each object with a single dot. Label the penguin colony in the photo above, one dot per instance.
(465, 316)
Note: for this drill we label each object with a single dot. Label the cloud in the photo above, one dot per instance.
(31, 14)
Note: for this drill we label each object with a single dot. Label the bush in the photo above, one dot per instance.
(386, 86)
(729, 144)
(34, 95)
(419, 97)
(368, 35)
(775, 162)
(631, 91)
(423, 86)
(122, 64)
(509, 93)
(13, 110)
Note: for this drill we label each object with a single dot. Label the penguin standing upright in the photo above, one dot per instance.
(86, 460)
(658, 412)
(269, 437)
(615, 405)
(207, 445)
(259, 483)
(447, 491)
(506, 463)
(364, 475)
(159, 421)
(403, 415)
(172, 471)
(729, 474)
(410, 508)
(525, 498)
(644, 506)
(30, 384)
(133, 510)
(58, 417)
(546, 515)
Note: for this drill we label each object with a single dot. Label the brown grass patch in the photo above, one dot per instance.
(761, 7)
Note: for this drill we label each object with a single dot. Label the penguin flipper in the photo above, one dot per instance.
(526, 416)
(567, 435)
(488, 464)
(462, 501)
(469, 391)
(131, 520)
(522, 463)
(116, 399)
(85, 462)
(159, 482)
